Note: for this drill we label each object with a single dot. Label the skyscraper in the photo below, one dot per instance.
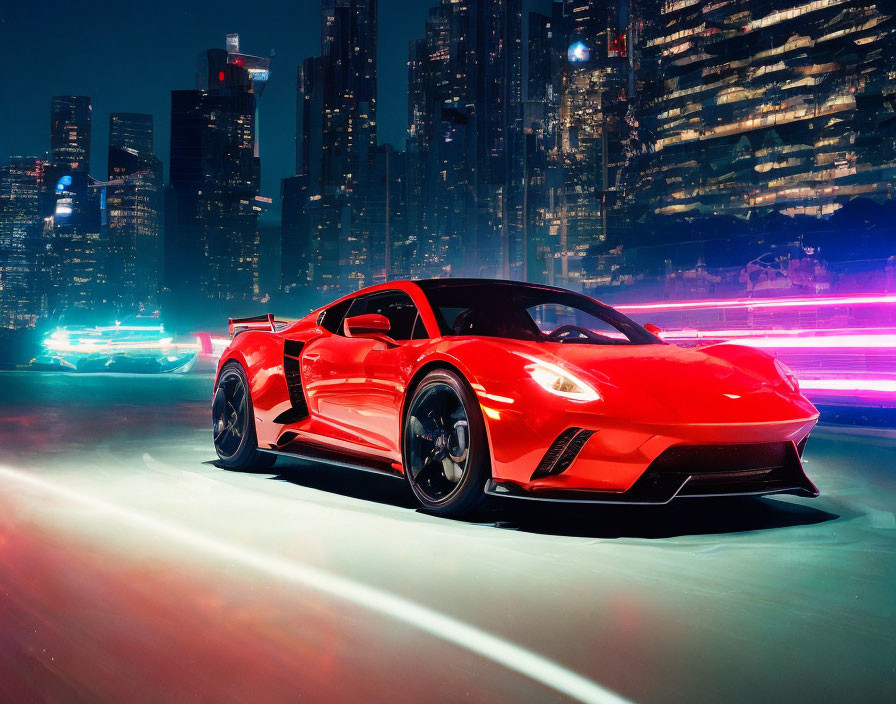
(70, 119)
(543, 177)
(348, 50)
(131, 213)
(79, 247)
(212, 227)
(593, 102)
(131, 217)
(465, 144)
(130, 143)
(338, 117)
(184, 251)
(578, 131)
(763, 108)
(22, 249)
(381, 216)
(295, 235)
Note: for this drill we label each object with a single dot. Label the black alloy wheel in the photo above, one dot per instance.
(445, 449)
(233, 422)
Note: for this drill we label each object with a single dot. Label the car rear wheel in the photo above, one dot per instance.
(444, 445)
(233, 422)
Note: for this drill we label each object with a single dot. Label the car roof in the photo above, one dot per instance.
(427, 284)
(424, 285)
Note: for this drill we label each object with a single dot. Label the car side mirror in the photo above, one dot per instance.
(370, 325)
(653, 329)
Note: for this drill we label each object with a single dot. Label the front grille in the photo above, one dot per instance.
(699, 459)
(706, 470)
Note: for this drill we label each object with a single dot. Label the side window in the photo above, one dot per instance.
(331, 318)
(395, 305)
(552, 316)
(450, 316)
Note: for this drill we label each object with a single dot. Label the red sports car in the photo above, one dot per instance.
(472, 387)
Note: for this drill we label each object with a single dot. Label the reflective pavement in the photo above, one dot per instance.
(133, 569)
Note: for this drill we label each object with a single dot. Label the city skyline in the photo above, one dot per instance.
(156, 52)
(600, 143)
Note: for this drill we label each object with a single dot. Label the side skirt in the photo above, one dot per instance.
(310, 453)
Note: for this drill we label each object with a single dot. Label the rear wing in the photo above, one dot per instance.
(259, 322)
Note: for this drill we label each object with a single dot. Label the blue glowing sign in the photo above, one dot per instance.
(578, 53)
(63, 182)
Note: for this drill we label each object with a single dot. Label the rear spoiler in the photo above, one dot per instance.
(259, 322)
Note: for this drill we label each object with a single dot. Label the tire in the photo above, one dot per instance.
(444, 445)
(233, 422)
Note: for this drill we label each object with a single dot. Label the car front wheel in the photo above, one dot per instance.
(444, 445)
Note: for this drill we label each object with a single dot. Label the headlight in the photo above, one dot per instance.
(787, 375)
(558, 381)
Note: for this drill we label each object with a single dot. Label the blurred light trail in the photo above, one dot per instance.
(820, 301)
(853, 385)
(463, 635)
(731, 333)
(854, 341)
(93, 346)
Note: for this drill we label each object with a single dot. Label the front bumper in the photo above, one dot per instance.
(601, 459)
(690, 471)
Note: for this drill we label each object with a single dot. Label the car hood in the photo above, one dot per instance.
(665, 383)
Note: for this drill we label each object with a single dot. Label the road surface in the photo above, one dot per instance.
(132, 569)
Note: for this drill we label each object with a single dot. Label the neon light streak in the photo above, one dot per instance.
(858, 341)
(821, 301)
(851, 385)
(691, 334)
(92, 346)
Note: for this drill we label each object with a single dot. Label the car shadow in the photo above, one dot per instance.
(683, 517)
(353, 483)
(706, 516)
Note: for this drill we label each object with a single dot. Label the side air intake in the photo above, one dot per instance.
(562, 452)
(292, 370)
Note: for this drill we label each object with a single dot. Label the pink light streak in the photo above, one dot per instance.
(821, 301)
(731, 333)
(788, 339)
(851, 385)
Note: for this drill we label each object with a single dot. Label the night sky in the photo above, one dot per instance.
(128, 56)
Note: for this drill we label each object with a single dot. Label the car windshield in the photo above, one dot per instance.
(521, 312)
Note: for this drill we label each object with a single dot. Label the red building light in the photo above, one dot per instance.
(617, 45)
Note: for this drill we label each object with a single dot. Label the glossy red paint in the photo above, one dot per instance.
(651, 397)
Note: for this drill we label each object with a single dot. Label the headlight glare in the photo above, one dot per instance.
(560, 382)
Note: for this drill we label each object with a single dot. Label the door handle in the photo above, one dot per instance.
(311, 356)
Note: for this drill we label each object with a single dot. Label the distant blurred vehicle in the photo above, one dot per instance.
(140, 349)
